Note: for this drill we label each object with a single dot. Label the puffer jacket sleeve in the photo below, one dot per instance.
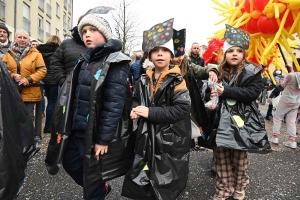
(41, 70)
(245, 94)
(176, 112)
(135, 96)
(114, 96)
(57, 65)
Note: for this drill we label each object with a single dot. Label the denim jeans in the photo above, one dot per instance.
(51, 92)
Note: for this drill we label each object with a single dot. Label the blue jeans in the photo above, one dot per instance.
(73, 161)
(269, 112)
(51, 92)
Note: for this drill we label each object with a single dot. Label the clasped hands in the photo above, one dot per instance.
(20, 80)
(139, 111)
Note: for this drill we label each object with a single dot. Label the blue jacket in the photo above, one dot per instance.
(114, 93)
(135, 70)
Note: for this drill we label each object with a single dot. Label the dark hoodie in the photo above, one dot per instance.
(47, 50)
(114, 92)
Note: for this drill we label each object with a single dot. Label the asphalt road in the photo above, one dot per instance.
(274, 176)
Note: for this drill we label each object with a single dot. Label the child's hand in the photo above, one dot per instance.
(213, 76)
(133, 115)
(100, 150)
(213, 93)
(141, 111)
(220, 89)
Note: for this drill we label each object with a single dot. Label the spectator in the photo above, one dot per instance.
(134, 68)
(274, 94)
(50, 86)
(64, 59)
(27, 68)
(4, 41)
(34, 43)
(195, 55)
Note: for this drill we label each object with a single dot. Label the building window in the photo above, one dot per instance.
(40, 29)
(2, 10)
(26, 18)
(69, 7)
(48, 8)
(57, 9)
(56, 32)
(41, 4)
(65, 4)
(64, 21)
(69, 23)
(48, 30)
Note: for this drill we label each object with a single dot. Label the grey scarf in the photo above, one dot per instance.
(21, 51)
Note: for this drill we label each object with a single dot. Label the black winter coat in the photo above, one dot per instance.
(47, 50)
(239, 125)
(160, 169)
(118, 160)
(64, 59)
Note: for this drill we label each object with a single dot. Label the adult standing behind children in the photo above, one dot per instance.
(239, 117)
(96, 91)
(195, 55)
(50, 86)
(4, 41)
(64, 59)
(27, 68)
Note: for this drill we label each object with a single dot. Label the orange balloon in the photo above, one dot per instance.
(255, 14)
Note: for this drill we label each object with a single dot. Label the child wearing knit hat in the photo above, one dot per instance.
(100, 79)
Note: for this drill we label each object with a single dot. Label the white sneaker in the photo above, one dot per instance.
(290, 144)
(274, 140)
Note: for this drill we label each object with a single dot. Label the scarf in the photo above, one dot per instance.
(21, 51)
(4, 43)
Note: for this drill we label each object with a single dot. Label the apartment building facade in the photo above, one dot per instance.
(41, 18)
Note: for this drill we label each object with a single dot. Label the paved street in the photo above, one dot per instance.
(274, 176)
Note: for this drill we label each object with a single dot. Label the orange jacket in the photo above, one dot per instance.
(32, 67)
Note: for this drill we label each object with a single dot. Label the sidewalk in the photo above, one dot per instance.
(274, 176)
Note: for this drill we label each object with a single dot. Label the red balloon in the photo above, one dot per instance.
(251, 26)
(289, 20)
(247, 6)
(260, 4)
(266, 25)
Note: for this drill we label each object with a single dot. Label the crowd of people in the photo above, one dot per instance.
(95, 93)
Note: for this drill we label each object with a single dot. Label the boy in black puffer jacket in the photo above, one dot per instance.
(96, 93)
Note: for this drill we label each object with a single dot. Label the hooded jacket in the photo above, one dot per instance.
(47, 50)
(32, 67)
(107, 119)
(160, 169)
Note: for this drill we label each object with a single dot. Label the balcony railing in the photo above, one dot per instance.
(65, 4)
(2, 10)
(47, 36)
(26, 24)
(41, 4)
(41, 35)
(65, 26)
(48, 10)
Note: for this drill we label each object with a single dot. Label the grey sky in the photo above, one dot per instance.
(198, 16)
